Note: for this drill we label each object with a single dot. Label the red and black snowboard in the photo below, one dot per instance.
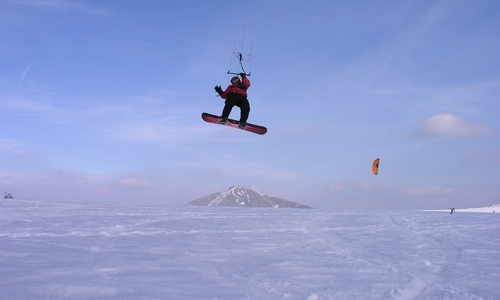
(233, 123)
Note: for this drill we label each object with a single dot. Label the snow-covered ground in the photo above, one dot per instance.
(487, 209)
(52, 250)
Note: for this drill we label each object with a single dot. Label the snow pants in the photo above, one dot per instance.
(240, 101)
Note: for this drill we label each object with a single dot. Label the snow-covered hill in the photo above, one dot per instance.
(242, 197)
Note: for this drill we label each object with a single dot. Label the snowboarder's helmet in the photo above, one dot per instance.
(235, 77)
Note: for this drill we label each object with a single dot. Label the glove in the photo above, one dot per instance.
(218, 89)
(243, 75)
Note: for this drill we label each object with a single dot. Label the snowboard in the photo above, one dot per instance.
(233, 123)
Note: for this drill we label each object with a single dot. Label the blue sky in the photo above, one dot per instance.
(101, 101)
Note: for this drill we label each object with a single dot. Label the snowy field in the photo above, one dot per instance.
(52, 250)
(487, 209)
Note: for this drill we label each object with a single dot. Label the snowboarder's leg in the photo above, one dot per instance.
(245, 110)
(244, 106)
(229, 104)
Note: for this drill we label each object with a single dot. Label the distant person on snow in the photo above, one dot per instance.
(235, 94)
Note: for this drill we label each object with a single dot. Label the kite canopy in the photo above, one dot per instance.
(375, 166)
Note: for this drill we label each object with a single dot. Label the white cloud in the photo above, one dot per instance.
(451, 126)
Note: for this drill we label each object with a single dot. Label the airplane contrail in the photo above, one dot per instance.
(23, 76)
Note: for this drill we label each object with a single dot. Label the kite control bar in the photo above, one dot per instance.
(232, 73)
(240, 58)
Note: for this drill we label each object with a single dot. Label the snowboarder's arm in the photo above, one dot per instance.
(218, 89)
(226, 93)
(245, 82)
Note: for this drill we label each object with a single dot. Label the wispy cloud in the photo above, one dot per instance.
(23, 76)
(63, 6)
(134, 183)
(152, 131)
(490, 158)
(12, 150)
(69, 174)
(338, 187)
(430, 191)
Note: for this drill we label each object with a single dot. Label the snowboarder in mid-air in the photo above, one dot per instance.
(235, 94)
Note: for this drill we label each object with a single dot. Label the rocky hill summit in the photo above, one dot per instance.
(242, 197)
